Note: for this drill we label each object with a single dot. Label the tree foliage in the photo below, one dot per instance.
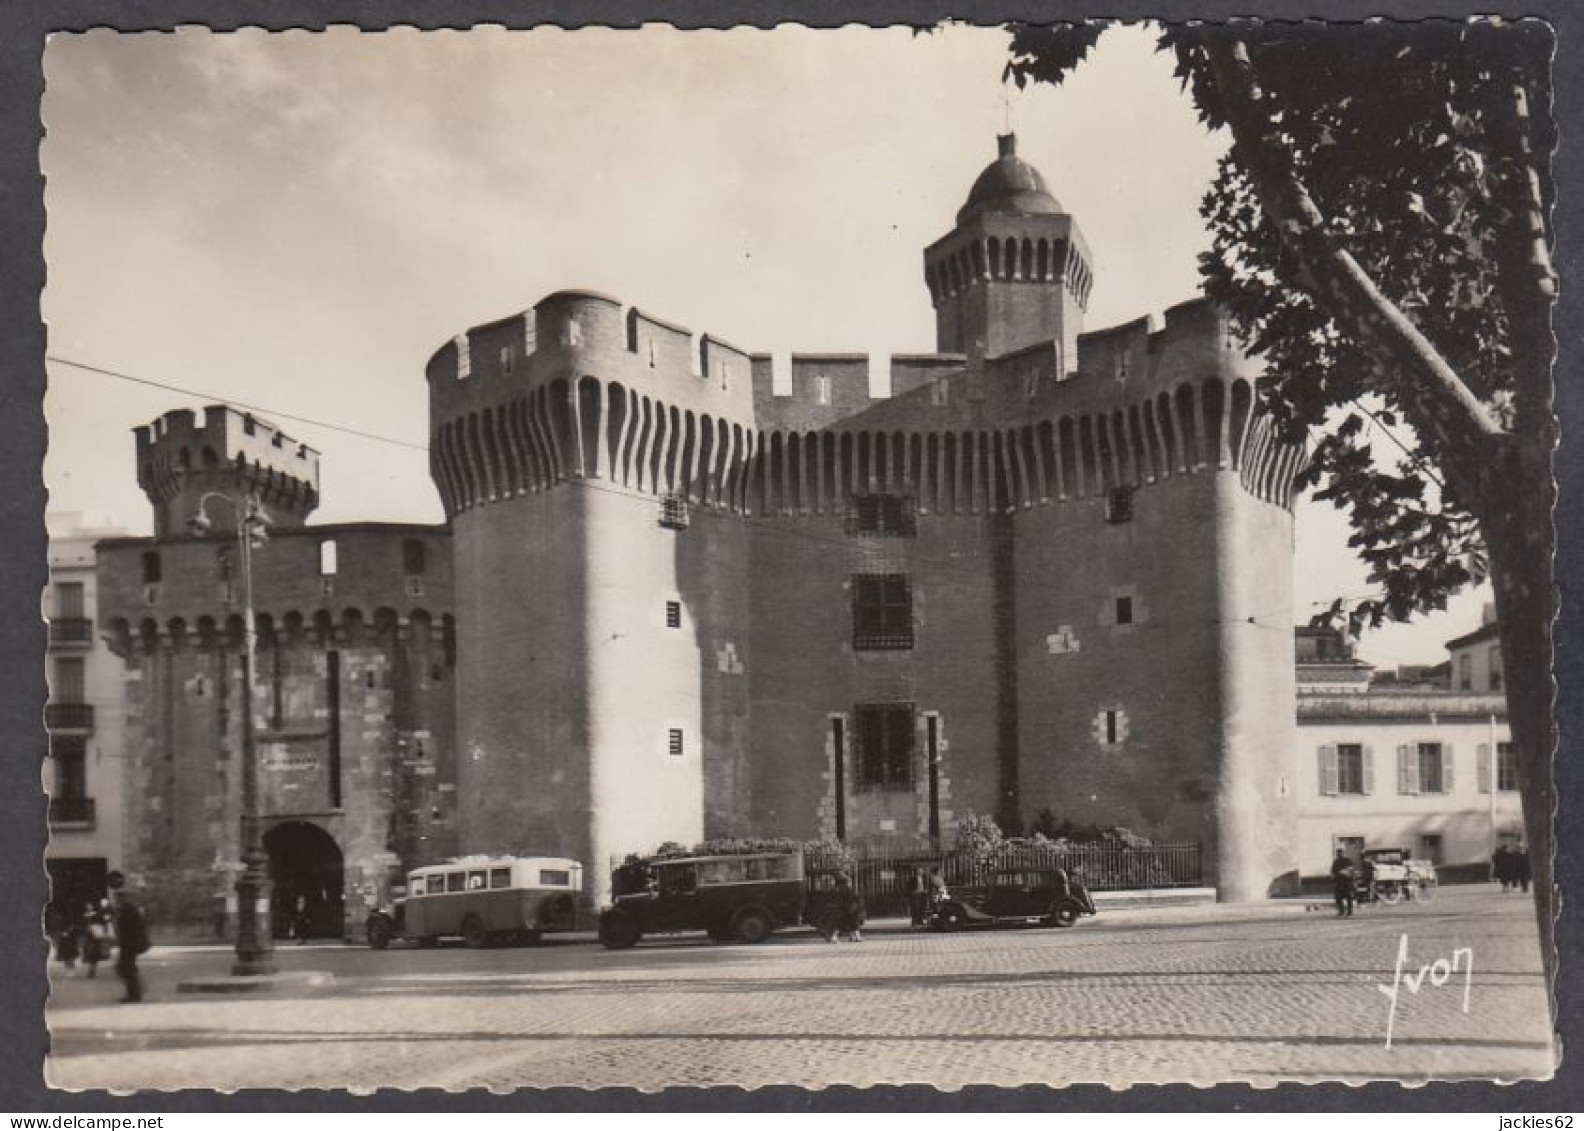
(1415, 143)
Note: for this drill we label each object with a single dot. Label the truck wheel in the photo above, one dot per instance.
(379, 932)
(754, 926)
(618, 931)
(473, 932)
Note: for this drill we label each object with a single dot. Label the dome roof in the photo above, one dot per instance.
(1009, 184)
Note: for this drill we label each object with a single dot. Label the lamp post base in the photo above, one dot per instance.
(255, 945)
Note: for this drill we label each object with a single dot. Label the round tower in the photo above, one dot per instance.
(233, 454)
(1014, 272)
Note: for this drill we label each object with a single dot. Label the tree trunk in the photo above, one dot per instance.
(1519, 537)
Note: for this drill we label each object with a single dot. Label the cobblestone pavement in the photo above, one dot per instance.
(1257, 993)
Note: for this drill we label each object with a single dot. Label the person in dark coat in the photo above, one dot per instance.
(1501, 867)
(1342, 883)
(849, 910)
(67, 935)
(131, 934)
(1521, 871)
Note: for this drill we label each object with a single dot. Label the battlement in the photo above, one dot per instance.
(232, 453)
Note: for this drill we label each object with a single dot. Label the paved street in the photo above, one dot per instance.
(1256, 993)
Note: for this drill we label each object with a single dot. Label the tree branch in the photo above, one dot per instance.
(1442, 406)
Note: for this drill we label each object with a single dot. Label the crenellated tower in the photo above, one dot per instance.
(232, 453)
(1014, 271)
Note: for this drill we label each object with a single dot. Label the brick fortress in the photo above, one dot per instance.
(698, 592)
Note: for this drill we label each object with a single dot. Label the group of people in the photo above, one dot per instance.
(113, 925)
(1510, 868)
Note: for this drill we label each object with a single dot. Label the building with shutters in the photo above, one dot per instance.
(1390, 765)
(84, 718)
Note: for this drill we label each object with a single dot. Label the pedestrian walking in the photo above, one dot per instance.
(849, 910)
(131, 934)
(1521, 869)
(68, 943)
(919, 898)
(1501, 867)
(302, 919)
(97, 936)
(1342, 883)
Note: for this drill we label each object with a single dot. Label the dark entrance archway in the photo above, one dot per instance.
(305, 868)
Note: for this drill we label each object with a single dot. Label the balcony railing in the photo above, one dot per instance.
(78, 811)
(71, 630)
(69, 716)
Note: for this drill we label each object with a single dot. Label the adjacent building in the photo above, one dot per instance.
(84, 718)
(1395, 764)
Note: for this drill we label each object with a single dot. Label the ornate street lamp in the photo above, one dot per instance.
(255, 942)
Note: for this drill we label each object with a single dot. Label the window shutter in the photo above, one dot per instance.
(1407, 769)
(1447, 762)
(1368, 760)
(1482, 767)
(1328, 770)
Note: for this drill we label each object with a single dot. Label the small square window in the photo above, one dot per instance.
(673, 614)
(1124, 610)
(674, 742)
(1119, 504)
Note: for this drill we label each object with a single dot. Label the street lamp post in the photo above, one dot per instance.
(255, 942)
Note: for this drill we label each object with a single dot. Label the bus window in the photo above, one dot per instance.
(436, 884)
(415, 884)
(455, 880)
(500, 878)
(755, 868)
(678, 880)
(475, 880)
(555, 878)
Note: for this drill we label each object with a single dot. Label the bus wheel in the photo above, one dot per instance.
(473, 932)
(753, 926)
(379, 932)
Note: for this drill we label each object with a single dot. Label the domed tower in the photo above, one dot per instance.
(233, 454)
(1014, 272)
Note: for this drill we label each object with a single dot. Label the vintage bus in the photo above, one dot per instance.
(746, 897)
(483, 900)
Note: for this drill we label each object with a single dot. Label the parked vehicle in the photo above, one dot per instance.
(1388, 875)
(483, 900)
(1017, 896)
(744, 897)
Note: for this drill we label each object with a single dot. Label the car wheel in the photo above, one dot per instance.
(473, 932)
(1064, 914)
(379, 932)
(953, 919)
(1389, 893)
(618, 932)
(753, 926)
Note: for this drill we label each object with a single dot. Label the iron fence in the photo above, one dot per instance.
(885, 874)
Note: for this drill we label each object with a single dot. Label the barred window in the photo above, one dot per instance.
(882, 607)
(883, 514)
(885, 745)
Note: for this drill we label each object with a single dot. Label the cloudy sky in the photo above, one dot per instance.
(298, 221)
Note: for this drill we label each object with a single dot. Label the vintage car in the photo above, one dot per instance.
(482, 900)
(1016, 896)
(746, 897)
